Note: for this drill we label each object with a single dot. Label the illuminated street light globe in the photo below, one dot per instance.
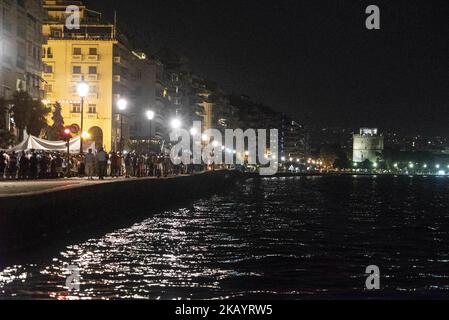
(193, 131)
(150, 114)
(175, 123)
(82, 89)
(122, 104)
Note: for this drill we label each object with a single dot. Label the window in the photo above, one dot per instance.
(77, 51)
(76, 108)
(48, 68)
(92, 108)
(56, 33)
(92, 70)
(76, 70)
(49, 53)
(93, 51)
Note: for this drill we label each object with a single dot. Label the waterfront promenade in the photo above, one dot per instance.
(28, 187)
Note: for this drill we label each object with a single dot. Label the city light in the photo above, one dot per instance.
(85, 135)
(283, 159)
(193, 131)
(82, 89)
(175, 123)
(122, 104)
(204, 137)
(150, 115)
(375, 165)
(437, 166)
(411, 165)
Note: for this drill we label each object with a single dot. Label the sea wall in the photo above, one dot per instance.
(29, 221)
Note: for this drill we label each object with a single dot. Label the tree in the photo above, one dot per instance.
(54, 131)
(21, 106)
(29, 114)
(6, 137)
(38, 118)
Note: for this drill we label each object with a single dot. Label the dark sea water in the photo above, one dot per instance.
(279, 238)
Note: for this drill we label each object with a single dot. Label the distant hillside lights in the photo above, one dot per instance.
(208, 147)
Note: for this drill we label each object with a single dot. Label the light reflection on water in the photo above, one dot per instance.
(272, 238)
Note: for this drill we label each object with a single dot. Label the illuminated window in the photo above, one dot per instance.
(76, 70)
(76, 108)
(92, 70)
(92, 108)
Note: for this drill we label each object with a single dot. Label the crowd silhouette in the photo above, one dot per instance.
(53, 165)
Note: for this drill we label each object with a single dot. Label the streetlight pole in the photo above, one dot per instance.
(150, 116)
(82, 125)
(83, 90)
(121, 104)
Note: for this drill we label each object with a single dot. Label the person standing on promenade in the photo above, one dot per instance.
(119, 164)
(102, 160)
(12, 166)
(2, 165)
(128, 165)
(90, 164)
(58, 166)
(134, 164)
(24, 166)
(33, 166)
(114, 167)
(43, 166)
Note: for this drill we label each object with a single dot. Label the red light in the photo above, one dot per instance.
(67, 131)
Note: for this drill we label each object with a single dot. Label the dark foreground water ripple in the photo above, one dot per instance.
(309, 237)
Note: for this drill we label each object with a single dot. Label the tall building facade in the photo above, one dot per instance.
(73, 55)
(21, 43)
(101, 56)
(368, 145)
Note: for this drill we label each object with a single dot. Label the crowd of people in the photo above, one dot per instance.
(54, 165)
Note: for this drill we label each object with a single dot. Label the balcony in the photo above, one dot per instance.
(92, 77)
(117, 78)
(117, 59)
(49, 76)
(92, 57)
(77, 77)
(77, 57)
(92, 96)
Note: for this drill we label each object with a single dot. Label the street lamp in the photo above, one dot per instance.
(82, 89)
(193, 131)
(122, 104)
(150, 117)
(175, 123)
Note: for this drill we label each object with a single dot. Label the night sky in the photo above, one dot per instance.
(312, 59)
